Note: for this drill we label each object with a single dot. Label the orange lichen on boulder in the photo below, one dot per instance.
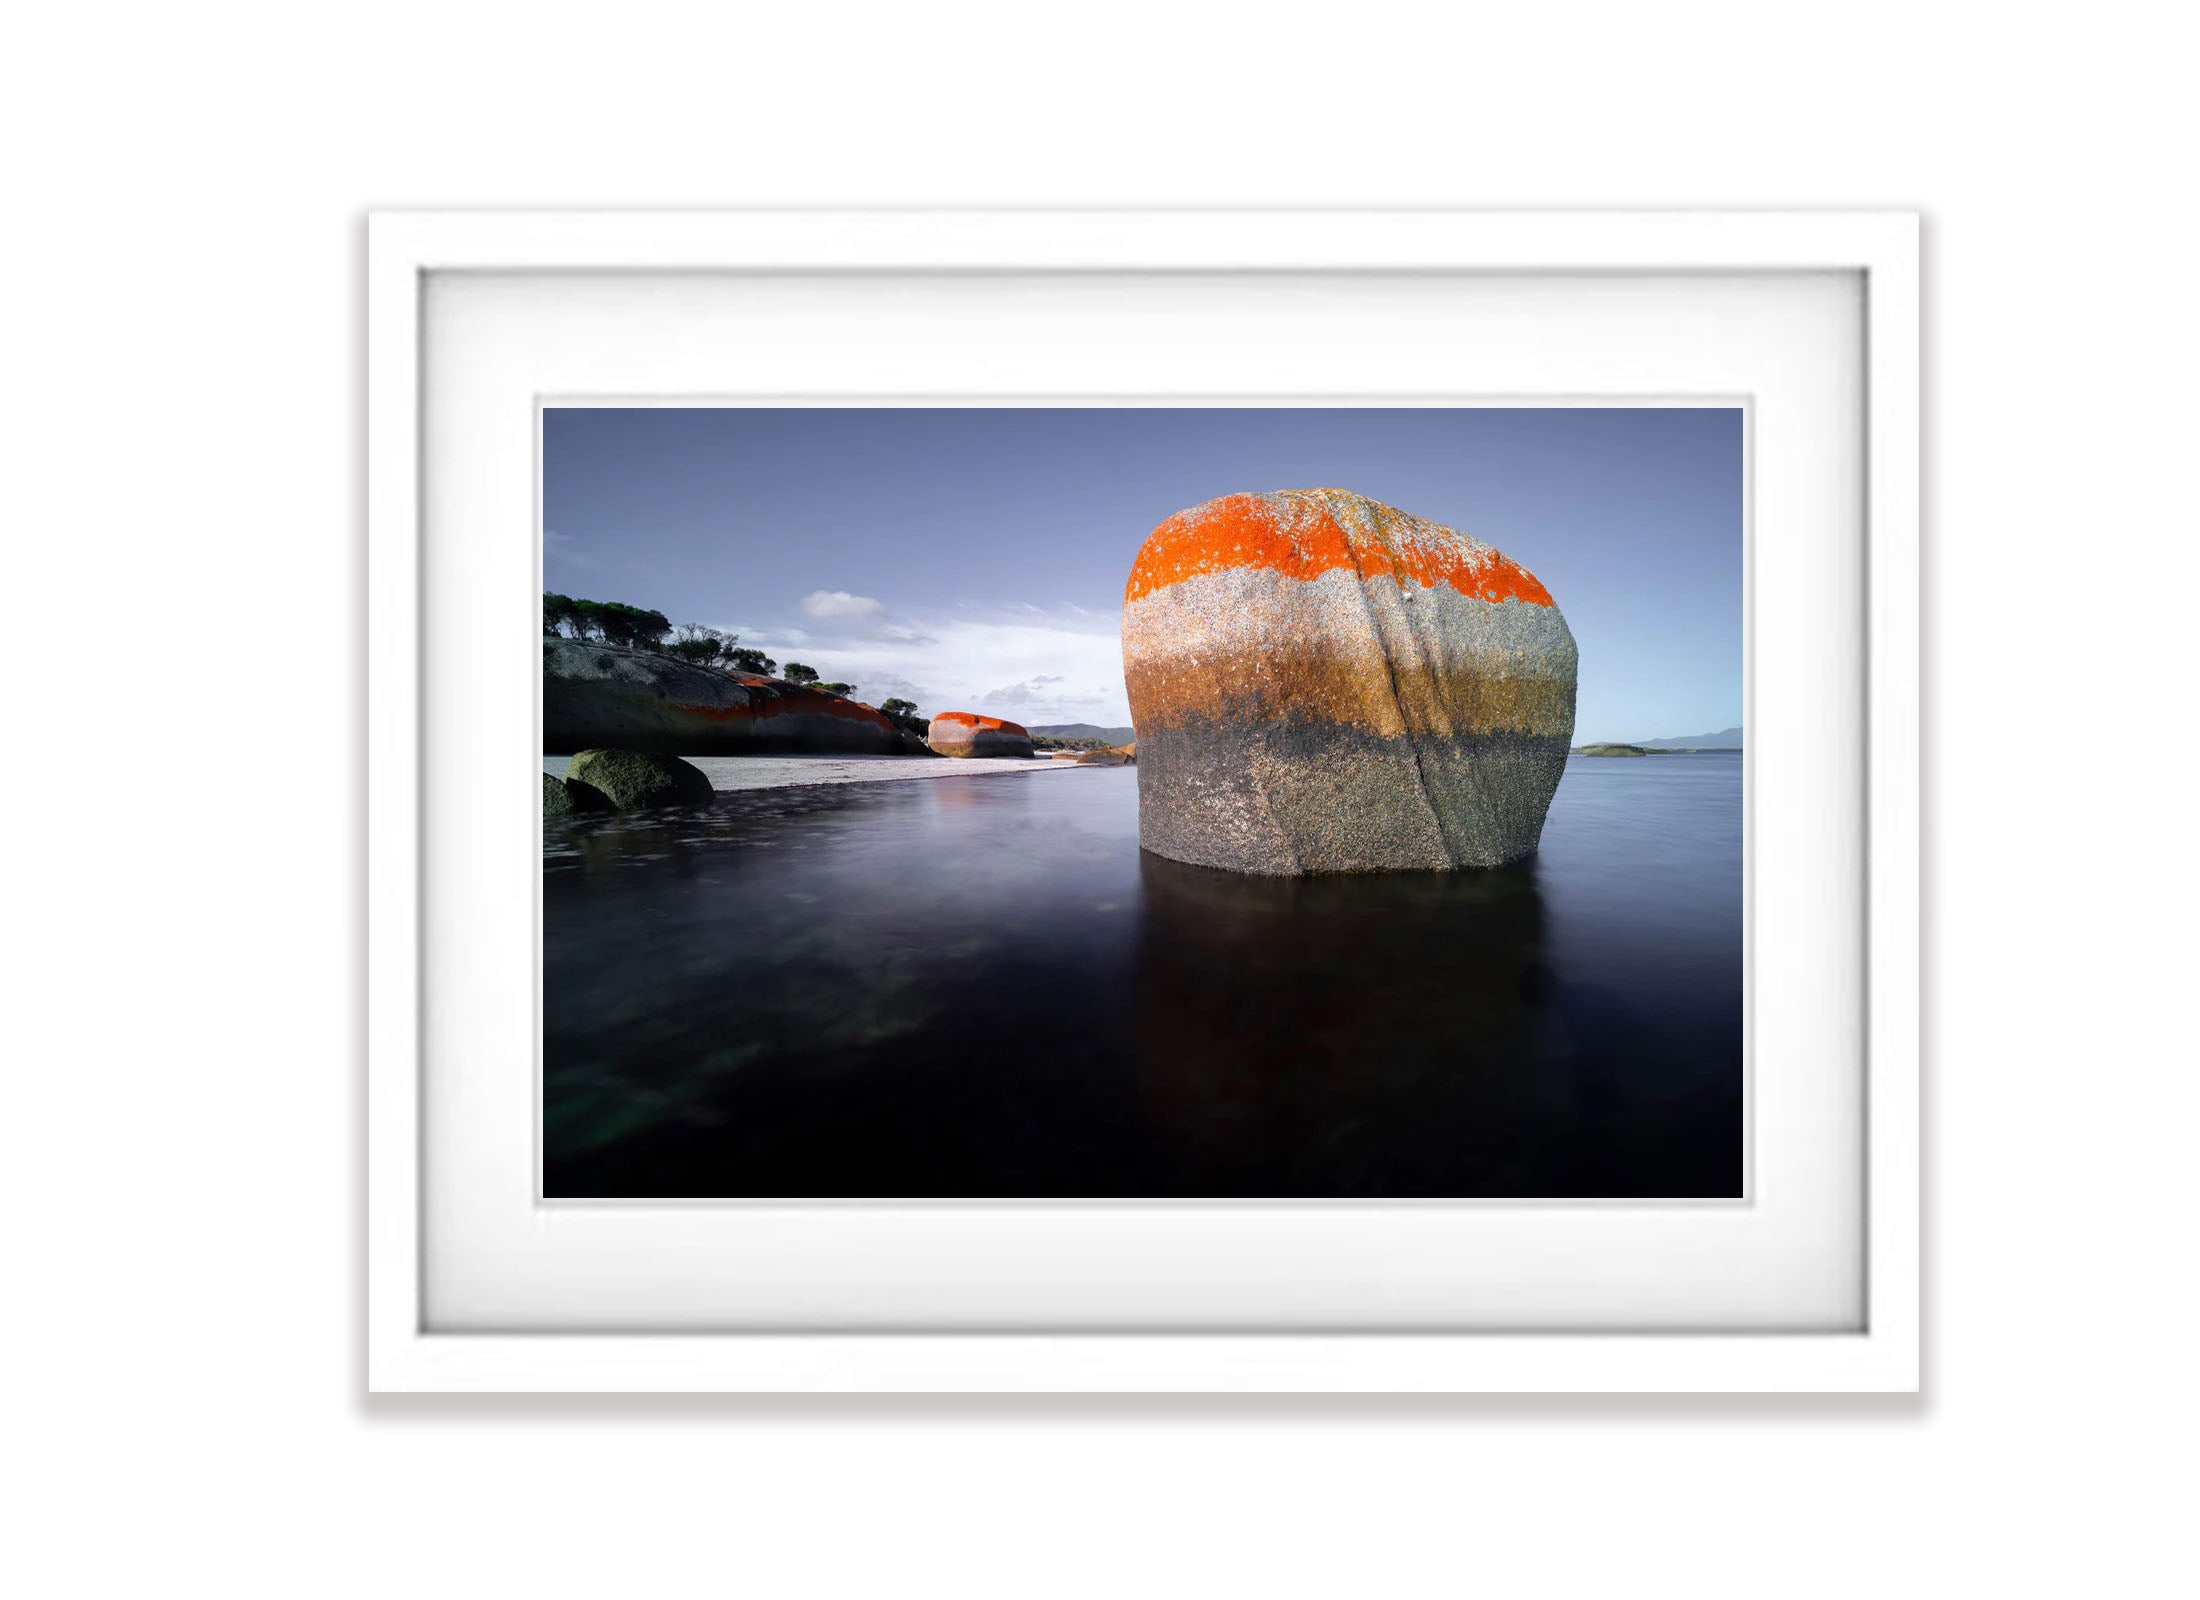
(1324, 683)
(790, 700)
(965, 733)
(970, 719)
(1303, 533)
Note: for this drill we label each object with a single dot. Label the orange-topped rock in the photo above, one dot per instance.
(1324, 683)
(965, 733)
(1304, 533)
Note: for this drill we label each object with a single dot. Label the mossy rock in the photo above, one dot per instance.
(633, 780)
(562, 799)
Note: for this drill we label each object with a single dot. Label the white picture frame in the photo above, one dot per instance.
(408, 1351)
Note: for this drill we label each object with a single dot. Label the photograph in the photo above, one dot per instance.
(1053, 803)
(1265, 853)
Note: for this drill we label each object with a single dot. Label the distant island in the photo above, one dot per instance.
(1724, 739)
(1727, 741)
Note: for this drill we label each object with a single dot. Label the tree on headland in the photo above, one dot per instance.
(698, 645)
(575, 618)
(809, 677)
(903, 714)
(714, 647)
(746, 659)
(587, 619)
(607, 620)
(631, 625)
(640, 629)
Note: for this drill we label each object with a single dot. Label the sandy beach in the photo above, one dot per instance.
(787, 772)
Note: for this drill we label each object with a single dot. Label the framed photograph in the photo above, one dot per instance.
(1135, 801)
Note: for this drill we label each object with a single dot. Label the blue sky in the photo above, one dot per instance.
(974, 559)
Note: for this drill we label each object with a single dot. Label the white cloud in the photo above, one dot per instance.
(855, 611)
(1032, 689)
(878, 687)
(1027, 663)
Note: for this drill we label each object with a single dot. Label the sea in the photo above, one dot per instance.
(979, 987)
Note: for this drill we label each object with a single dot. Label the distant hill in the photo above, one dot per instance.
(1724, 739)
(1085, 730)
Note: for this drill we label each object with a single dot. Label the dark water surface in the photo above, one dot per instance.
(980, 986)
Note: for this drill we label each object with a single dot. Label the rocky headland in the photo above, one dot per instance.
(598, 695)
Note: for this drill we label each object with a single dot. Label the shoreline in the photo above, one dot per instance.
(733, 774)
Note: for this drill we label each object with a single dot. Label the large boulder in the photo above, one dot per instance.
(637, 780)
(600, 695)
(1323, 683)
(965, 733)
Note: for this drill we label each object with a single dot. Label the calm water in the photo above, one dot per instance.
(980, 986)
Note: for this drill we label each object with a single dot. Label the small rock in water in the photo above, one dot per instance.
(635, 780)
(561, 798)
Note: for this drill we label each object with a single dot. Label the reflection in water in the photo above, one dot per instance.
(981, 987)
(1360, 1035)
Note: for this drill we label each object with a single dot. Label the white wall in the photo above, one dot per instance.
(181, 505)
